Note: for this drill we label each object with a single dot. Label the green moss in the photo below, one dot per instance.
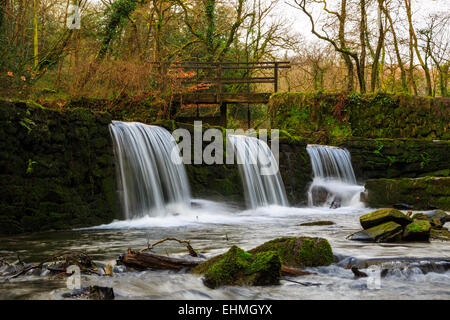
(385, 232)
(383, 215)
(422, 193)
(418, 226)
(237, 267)
(300, 252)
(59, 175)
(377, 115)
(417, 231)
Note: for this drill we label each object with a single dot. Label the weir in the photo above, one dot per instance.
(151, 176)
(334, 182)
(258, 167)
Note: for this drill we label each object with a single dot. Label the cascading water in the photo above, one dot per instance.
(334, 182)
(259, 171)
(151, 176)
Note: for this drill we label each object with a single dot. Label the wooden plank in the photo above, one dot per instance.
(211, 98)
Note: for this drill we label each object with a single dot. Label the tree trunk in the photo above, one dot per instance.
(397, 53)
(413, 42)
(35, 35)
(375, 65)
(210, 6)
(362, 30)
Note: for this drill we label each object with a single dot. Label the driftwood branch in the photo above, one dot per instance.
(141, 260)
(293, 272)
(186, 242)
(71, 257)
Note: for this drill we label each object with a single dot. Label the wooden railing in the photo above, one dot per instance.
(215, 73)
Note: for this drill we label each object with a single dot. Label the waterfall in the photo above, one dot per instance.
(331, 162)
(334, 182)
(151, 177)
(259, 171)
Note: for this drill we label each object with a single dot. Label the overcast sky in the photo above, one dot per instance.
(421, 9)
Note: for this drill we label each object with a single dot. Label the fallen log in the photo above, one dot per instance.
(293, 272)
(142, 261)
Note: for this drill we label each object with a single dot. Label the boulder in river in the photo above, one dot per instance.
(384, 215)
(417, 231)
(300, 252)
(385, 232)
(437, 218)
(92, 293)
(442, 234)
(319, 195)
(438, 214)
(237, 267)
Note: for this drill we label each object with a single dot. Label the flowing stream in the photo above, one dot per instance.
(151, 184)
(212, 228)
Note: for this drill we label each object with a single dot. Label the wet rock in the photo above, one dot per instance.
(403, 206)
(317, 223)
(358, 274)
(438, 214)
(442, 234)
(319, 195)
(11, 269)
(119, 269)
(336, 203)
(386, 232)
(437, 218)
(384, 215)
(237, 267)
(300, 252)
(417, 231)
(34, 272)
(92, 293)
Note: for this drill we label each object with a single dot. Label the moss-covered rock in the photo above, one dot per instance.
(417, 231)
(299, 252)
(437, 218)
(385, 232)
(422, 193)
(384, 215)
(442, 234)
(440, 215)
(237, 267)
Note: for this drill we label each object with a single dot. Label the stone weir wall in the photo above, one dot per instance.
(326, 117)
(222, 182)
(56, 169)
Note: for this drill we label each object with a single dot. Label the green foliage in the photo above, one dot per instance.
(27, 122)
(30, 166)
(116, 17)
(425, 159)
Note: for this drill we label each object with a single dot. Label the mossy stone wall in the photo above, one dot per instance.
(393, 158)
(325, 117)
(56, 168)
(422, 193)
